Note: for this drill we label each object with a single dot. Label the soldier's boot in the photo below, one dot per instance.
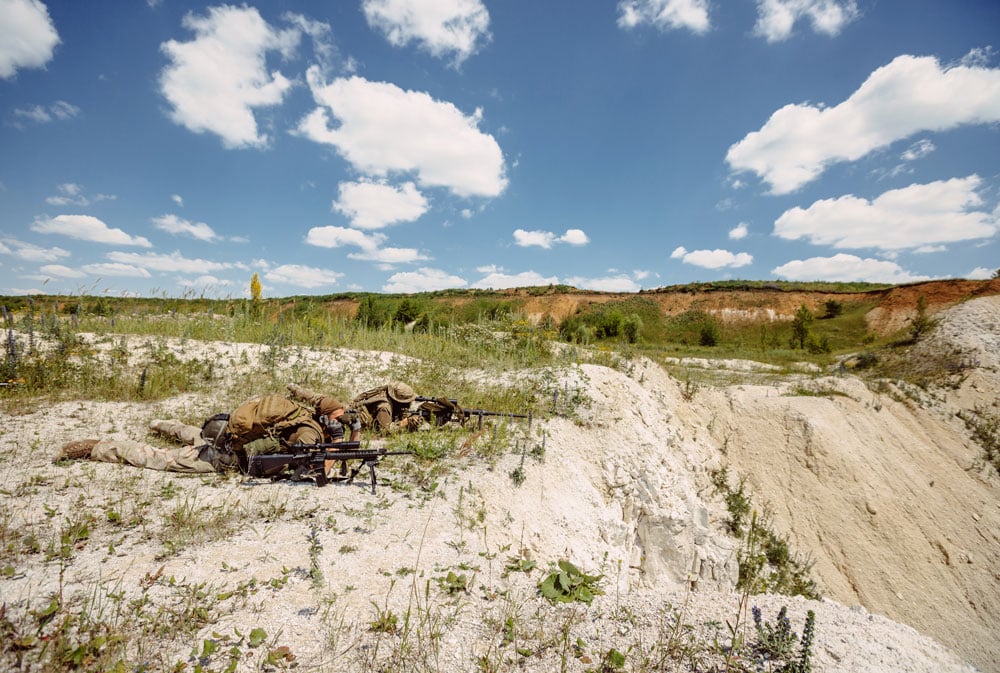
(159, 426)
(79, 449)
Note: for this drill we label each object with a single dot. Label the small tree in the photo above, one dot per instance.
(833, 308)
(631, 326)
(255, 288)
(709, 333)
(800, 326)
(920, 324)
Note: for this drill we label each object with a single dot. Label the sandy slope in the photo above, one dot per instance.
(878, 487)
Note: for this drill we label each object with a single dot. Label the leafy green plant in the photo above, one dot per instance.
(567, 584)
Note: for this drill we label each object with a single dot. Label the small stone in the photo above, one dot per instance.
(870, 507)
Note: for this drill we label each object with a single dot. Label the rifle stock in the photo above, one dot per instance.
(308, 461)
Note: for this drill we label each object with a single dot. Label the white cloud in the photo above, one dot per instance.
(336, 237)
(30, 252)
(383, 129)
(575, 237)
(214, 82)
(620, 283)
(846, 268)
(422, 280)
(909, 95)
(541, 239)
(496, 279)
(911, 217)
(389, 256)
(204, 282)
(712, 259)
(918, 150)
(117, 270)
(27, 36)
(180, 227)
(980, 273)
(776, 18)
(176, 198)
(374, 204)
(71, 194)
(320, 34)
(739, 232)
(60, 271)
(174, 262)
(87, 228)
(441, 27)
(40, 114)
(545, 239)
(665, 14)
(302, 276)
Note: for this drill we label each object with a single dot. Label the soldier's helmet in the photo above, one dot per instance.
(214, 430)
(400, 392)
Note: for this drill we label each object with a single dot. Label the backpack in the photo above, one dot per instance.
(267, 416)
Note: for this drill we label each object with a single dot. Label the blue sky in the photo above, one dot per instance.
(161, 147)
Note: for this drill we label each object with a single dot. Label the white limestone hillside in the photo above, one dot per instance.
(882, 489)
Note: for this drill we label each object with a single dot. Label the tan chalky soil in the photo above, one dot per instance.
(882, 488)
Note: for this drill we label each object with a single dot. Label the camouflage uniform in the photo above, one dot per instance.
(189, 459)
(386, 409)
(273, 417)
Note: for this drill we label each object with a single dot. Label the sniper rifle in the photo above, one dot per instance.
(309, 461)
(440, 410)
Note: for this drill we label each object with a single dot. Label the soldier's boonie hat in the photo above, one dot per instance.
(400, 392)
(330, 407)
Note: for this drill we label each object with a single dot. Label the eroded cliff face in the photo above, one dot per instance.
(883, 489)
(878, 482)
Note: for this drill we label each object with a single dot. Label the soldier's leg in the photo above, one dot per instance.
(188, 434)
(182, 459)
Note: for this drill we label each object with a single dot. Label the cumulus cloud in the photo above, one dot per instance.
(178, 199)
(303, 276)
(423, 280)
(911, 217)
(204, 282)
(497, 279)
(388, 256)
(619, 283)
(980, 273)
(909, 95)
(214, 82)
(665, 14)
(336, 237)
(739, 232)
(382, 129)
(712, 259)
(371, 204)
(87, 228)
(116, 269)
(27, 36)
(61, 271)
(30, 252)
(545, 239)
(174, 262)
(45, 114)
(776, 18)
(846, 268)
(178, 226)
(441, 27)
